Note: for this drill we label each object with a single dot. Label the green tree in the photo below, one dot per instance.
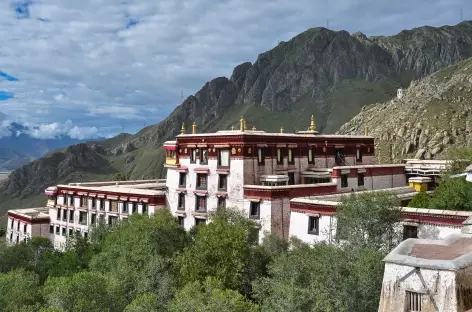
(460, 157)
(452, 194)
(84, 291)
(147, 302)
(210, 296)
(19, 290)
(420, 200)
(220, 249)
(369, 219)
(140, 254)
(119, 177)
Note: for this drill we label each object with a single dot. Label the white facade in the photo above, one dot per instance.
(24, 224)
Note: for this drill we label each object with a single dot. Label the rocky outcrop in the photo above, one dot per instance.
(433, 116)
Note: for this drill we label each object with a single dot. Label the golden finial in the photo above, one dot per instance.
(366, 130)
(182, 130)
(194, 128)
(241, 124)
(312, 124)
(245, 124)
(281, 129)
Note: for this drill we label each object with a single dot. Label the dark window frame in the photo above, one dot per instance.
(202, 152)
(290, 157)
(197, 206)
(222, 202)
(218, 156)
(144, 208)
(280, 161)
(313, 225)
(410, 231)
(291, 178)
(257, 206)
(182, 179)
(222, 177)
(359, 154)
(181, 201)
(193, 155)
(312, 160)
(344, 180)
(261, 158)
(198, 184)
(200, 221)
(360, 179)
(181, 220)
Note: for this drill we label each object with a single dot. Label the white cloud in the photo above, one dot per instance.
(76, 60)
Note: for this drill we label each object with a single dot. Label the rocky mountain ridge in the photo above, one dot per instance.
(433, 116)
(331, 74)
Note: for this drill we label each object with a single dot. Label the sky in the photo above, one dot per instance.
(91, 68)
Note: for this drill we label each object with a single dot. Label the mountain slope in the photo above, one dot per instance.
(331, 74)
(10, 159)
(433, 115)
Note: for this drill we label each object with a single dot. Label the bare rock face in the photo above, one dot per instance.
(429, 120)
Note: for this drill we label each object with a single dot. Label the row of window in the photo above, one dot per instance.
(100, 204)
(202, 181)
(198, 221)
(63, 231)
(223, 155)
(360, 179)
(18, 224)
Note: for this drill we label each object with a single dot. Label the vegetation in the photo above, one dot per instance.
(420, 200)
(152, 264)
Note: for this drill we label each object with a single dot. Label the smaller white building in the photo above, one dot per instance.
(429, 275)
(24, 224)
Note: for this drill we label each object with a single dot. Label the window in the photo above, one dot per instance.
(291, 178)
(24, 228)
(124, 207)
(181, 203)
(223, 158)
(83, 218)
(58, 229)
(81, 201)
(85, 235)
(201, 181)
(255, 211)
(64, 215)
(203, 156)
(63, 231)
(410, 231)
(313, 225)
(112, 220)
(290, 156)
(71, 232)
(71, 216)
(59, 213)
(102, 204)
(135, 207)
(71, 200)
(181, 221)
(221, 202)
(358, 155)
(182, 176)
(222, 182)
(413, 301)
(344, 180)
(280, 159)
(94, 203)
(12, 222)
(201, 203)
(199, 221)
(145, 208)
(193, 155)
(51, 229)
(311, 155)
(360, 179)
(11, 237)
(93, 219)
(260, 156)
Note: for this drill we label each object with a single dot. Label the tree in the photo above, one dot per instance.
(220, 249)
(19, 289)
(369, 219)
(420, 200)
(452, 194)
(210, 296)
(84, 291)
(119, 177)
(147, 302)
(460, 157)
(140, 254)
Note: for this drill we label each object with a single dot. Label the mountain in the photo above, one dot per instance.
(331, 74)
(11, 160)
(434, 115)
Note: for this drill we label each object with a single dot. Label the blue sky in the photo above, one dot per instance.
(88, 67)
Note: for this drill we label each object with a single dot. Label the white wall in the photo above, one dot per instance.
(299, 228)
(440, 283)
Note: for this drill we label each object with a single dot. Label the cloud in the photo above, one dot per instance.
(114, 62)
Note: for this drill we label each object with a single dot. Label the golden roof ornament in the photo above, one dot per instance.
(242, 124)
(194, 128)
(366, 130)
(312, 124)
(281, 129)
(182, 130)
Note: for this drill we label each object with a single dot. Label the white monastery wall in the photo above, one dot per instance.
(299, 228)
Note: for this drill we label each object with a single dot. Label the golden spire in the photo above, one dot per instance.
(194, 128)
(312, 124)
(241, 123)
(245, 124)
(366, 130)
(281, 129)
(182, 130)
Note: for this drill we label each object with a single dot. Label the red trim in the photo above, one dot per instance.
(290, 192)
(200, 192)
(101, 195)
(28, 220)
(92, 195)
(170, 148)
(221, 194)
(181, 190)
(182, 169)
(82, 193)
(221, 170)
(124, 198)
(144, 200)
(202, 170)
(112, 197)
(135, 199)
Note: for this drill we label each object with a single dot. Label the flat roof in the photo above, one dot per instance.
(452, 253)
(263, 133)
(136, 187)
(31, 213)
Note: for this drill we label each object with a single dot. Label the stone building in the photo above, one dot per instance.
(429, 275)
(23, 224)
